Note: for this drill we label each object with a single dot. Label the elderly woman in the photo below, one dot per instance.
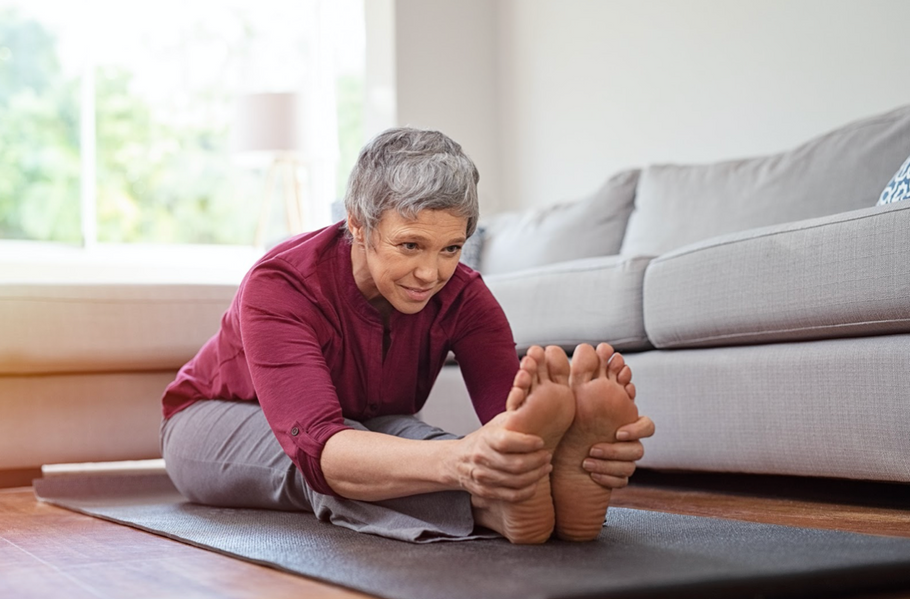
(305, 398)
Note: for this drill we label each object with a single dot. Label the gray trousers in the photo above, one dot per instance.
(223, 453)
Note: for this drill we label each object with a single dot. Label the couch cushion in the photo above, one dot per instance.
(582, 301)
(839, 275)
(835, 408)
(104, 328)
(591, 227)
(843, 170)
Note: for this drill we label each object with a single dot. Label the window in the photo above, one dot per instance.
(116, 117)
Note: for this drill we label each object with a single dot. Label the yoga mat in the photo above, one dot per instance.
(638, 554)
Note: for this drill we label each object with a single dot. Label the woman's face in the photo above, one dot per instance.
(408, 261)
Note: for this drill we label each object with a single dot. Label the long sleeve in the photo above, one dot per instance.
(485, 351)
(279, 325)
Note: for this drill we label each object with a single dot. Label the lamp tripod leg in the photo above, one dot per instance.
(265, 208)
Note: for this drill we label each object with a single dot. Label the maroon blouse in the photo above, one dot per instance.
(300, 338)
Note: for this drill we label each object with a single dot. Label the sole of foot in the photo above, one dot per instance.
(540, 403)
(604, 401)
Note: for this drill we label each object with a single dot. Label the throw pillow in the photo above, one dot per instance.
(840, 171)
(593, 226)
(470, 251)
(898, 188)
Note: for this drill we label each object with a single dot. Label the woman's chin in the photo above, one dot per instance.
(410, 306)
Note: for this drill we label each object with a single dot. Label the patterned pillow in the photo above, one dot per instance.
(899, 187)
(472, 249)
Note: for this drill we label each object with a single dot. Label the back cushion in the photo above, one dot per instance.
(843, 170)
(586, 228)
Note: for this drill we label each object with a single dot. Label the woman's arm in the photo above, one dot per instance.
(492, 462)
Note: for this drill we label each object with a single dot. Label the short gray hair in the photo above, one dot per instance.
(409, 170)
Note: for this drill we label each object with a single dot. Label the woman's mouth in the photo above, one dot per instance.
(418, 294)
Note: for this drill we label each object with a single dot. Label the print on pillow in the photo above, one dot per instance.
(898, 188)
(472, 249)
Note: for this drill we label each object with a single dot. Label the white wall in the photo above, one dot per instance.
(380, 94)
(582, 88)
(446, 78)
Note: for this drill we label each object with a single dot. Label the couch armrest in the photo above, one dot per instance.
(841, 275)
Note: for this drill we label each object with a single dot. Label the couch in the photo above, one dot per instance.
(763, 304)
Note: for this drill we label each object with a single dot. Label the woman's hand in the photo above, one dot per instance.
(612, 463)
(496, 463)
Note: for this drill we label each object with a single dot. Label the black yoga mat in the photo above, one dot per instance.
(638, 554)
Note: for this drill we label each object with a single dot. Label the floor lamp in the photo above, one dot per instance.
(269, 126)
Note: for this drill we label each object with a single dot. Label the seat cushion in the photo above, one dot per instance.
(836, 408)
(587, 228)
(840, 275)
(51, 328)
(841, 171)
(581, 301)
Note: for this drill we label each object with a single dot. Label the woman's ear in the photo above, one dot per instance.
(355, 228)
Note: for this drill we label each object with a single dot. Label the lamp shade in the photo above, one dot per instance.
(269, 123)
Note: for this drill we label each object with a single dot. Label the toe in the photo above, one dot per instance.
(521, 384)
(615, 365)
(558, 364)
(625, 375)
(630, 390)
(532, 367)
(605, 351)
(537, 353)
(517, 396)
(523, 377)
(585, 364)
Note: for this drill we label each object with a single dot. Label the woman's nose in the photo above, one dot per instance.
(427, 271)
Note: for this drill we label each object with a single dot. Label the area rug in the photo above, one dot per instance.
(638, 553)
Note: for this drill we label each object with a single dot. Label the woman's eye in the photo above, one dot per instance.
(453, 249)
(409, 246)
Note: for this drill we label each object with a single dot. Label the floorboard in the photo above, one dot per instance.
(44, 549)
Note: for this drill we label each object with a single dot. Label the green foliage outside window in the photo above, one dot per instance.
(160, 179)
(39, 180)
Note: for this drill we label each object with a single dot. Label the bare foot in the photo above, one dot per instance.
(540, 403)
(604, 397)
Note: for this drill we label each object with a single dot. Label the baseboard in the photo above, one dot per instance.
(152, 466)
(19, 477)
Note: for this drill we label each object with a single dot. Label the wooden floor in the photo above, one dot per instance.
(47, 551)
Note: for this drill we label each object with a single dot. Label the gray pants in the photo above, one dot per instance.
(223, 453)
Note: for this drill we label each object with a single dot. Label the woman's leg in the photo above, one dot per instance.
(224, 453)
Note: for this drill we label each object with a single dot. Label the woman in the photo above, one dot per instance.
(304, 399)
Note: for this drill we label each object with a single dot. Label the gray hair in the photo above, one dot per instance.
(409, 170)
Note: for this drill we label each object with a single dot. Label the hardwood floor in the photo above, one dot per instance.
(45, 550)
(854, 506)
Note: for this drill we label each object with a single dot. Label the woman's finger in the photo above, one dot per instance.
(505, 441)
(517, 463)
(640, 429)
(610, 482)
(620, 469)
(497, 478)
(627, 451)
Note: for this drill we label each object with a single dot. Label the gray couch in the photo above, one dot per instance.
(763, 304)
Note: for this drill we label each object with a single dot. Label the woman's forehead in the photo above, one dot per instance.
(434, 223)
